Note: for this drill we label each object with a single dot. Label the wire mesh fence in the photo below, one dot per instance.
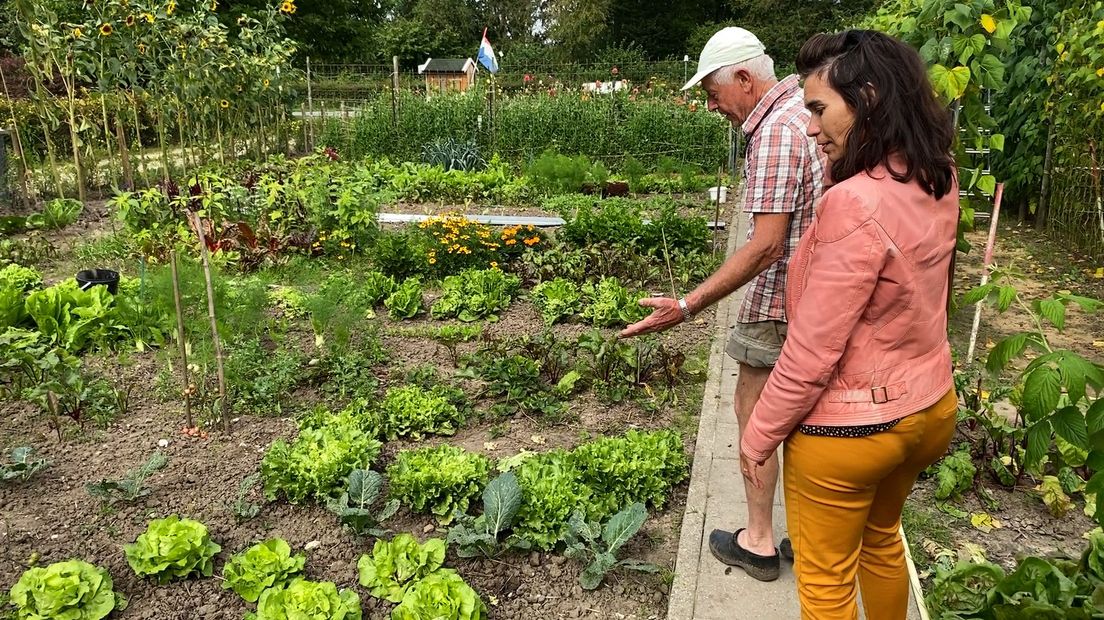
(1075, 210)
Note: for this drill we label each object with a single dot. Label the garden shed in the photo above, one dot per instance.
(448, 74)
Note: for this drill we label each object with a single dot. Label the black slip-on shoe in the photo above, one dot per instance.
(785, 549)
(725, 548)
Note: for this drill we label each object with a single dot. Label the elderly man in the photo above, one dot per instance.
(783, 174)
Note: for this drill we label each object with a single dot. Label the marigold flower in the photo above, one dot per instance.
(141, 48)
(532, 241)
(106, 30)
(511, 241)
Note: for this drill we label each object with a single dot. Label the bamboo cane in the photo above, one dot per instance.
(224, 405)
(180, 338)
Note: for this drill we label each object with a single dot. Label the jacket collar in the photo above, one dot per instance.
(787, 87)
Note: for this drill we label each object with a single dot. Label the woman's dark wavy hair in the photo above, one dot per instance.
(896, 111)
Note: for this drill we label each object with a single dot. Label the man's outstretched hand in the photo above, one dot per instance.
(666, 315)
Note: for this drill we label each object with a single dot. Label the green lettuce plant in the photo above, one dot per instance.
(609, 304)
(550, 493)
(639, 466)
(172, 548)
(72, 318)
(19, 277)
(395, 565)
(411, 411)
(265, 564)
(441, 480)
(70, 590)
(475, 294)
(440, 595)
(557, 299)
(406, 301)
(307, 600)
(319, 459)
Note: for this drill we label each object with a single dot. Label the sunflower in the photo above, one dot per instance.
(77, 33)
(141, 48)
(214, 4)
(170, 8)
(288, 7)
(224, 104)
(130, 21)
(106, 30)
(265, 83)
(148, 17)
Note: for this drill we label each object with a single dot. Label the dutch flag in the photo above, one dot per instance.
(487, 55)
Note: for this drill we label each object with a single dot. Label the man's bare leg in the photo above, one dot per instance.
(758, 536)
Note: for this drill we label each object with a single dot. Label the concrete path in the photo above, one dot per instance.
(705, 589)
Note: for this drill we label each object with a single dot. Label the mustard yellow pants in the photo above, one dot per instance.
(844, 498)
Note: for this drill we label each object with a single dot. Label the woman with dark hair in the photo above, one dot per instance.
(862, 394)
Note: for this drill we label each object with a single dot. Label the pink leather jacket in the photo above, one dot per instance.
(867, 308)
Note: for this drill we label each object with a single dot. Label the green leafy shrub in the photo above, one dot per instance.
(323, 454)
(954, 474)
(557, 300)
(172, 548)
(400, 255)
(550, 493)
(553, 172)
(56, 214)
(475, 294)
(635, 467)
(598, 545)
(609, 304)
(395, 565)
(262, 380)
(473, 536)
(265, 564)
(406, 301)
(20, 278)
(452, 154)
(440, 595)
(412, 411)
(21, 465)
(354, 506)
(441, 480)
(70, 590)
(1038, 588)
(307, 600)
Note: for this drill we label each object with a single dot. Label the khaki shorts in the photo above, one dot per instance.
(757, 344)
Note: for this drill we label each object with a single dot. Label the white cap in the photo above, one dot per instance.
(730, 46)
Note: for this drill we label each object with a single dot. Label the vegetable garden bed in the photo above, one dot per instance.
(471, 376)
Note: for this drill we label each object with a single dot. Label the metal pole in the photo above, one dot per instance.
(394, 91)
(310, 106)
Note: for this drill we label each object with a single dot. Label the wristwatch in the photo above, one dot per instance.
(686, 314)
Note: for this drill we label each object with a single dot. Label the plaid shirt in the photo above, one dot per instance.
(783, 173)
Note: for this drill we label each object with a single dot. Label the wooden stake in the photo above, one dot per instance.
(197, 223)
(180, 338)
(124, 154)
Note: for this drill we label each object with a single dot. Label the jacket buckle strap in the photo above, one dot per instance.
(883, 394)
